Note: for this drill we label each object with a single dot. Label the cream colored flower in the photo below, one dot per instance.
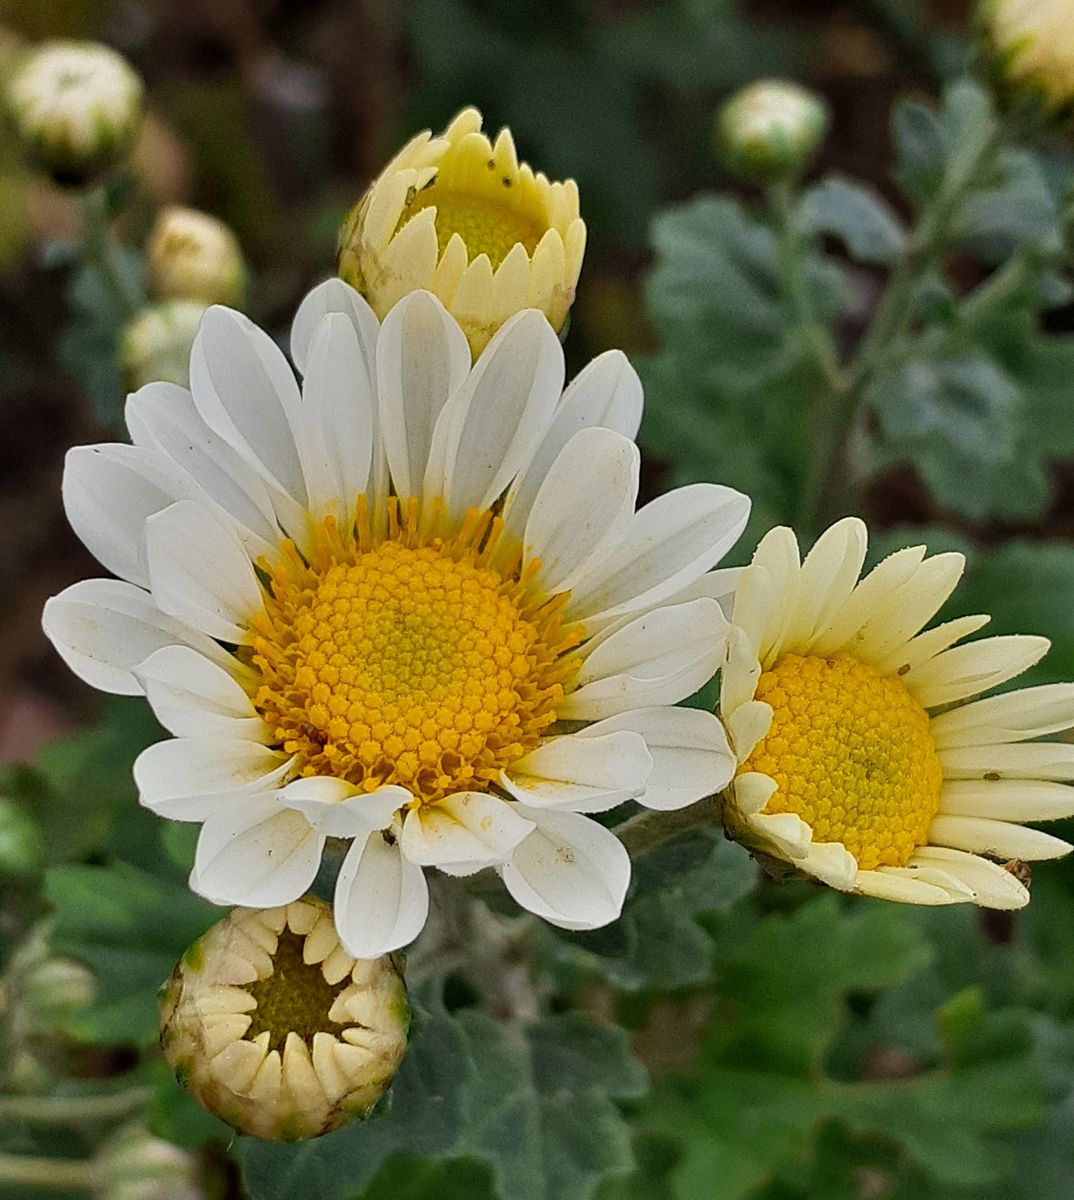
(410, 604)
(77, 107)
(155, 345)
(460, 217)
(771, 128)
(191, 255)
(1033, 43)
(274, 1027)
(865, 759)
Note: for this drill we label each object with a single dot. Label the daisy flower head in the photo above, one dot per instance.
(409, 604)
(459, 215)
(866, 757)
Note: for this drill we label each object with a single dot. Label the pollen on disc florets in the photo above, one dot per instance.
(851, 753)
(422, 659)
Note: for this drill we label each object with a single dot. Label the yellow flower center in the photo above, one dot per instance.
(423, 659)
(851, 753)
(295, 998)
(486, 225)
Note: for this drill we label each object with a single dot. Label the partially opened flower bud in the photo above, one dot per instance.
(276, 1029)
(156, 344)
(1032, 44)
(460, 216)
(193, 256)
(77, 107)
(134, 1165)
(770, 129)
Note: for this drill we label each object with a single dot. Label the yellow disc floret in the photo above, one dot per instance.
(487, 225)
(851, 753)
(430, 662)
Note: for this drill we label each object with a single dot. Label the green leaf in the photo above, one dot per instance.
(1013, 208)
(766, 1091)
(536, 1104)
(131, 928)
(659, 941)
(861, 219)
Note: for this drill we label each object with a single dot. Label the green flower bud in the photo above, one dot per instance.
(22, 850)
(156, 344)
(771, 129)
(276, 1029)
(193, 256)
(76, 107)
(1031, 43)
(134, 1165)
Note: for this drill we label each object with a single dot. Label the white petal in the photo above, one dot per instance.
(422, 359)
(672, 541)
(992, 886)
(874, 594)
(746, 725)
(381, 899)
(338, 809)
(583, 774)
(245, 391)
(826, 580)
(998, 839)
(909, 887)
(256, 854)
(659, 658)
(786, 831)
(200, 572)
(975, 667)
(768, 594)
(340, 410)
(751, 791)
(333, 296)
(831, 863)
(108, 492)
(1008, 799)
(928, 644)
(1004, 761)
(570, 871)
(491, 427)
(184, 779)
(163, 417)
(462, 833)
(584, 506)
(1013, 717)
(103, 628)
(740, 671)
(690, 755)
(912, 607)
(607, 392)
(192, 696)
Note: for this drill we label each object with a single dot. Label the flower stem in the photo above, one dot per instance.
(54, 1173)
(99, 253)
(652, 828)
(73, 1110)
(837, 412)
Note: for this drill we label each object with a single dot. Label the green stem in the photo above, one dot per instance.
(55, 1173)
(99, 250)
(652, 828)
(837, 412)
(72, 1110)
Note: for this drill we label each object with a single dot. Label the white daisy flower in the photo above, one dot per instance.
(864, 758)
(409, 604)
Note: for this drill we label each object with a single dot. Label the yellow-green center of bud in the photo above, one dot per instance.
(486, 226)
(295, 998)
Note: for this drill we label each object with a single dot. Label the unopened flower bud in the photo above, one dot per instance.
(458, 215)
(45, 987)
(22, 851)
(134, 1165)
(156, 344)
(276, 1029)
(77, 107)
(193, 256)
(1032, 47)
(771, 129)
